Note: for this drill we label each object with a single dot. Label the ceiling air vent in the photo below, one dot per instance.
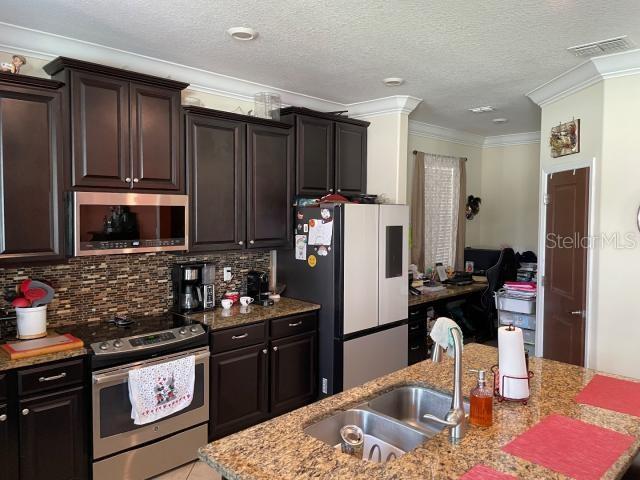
(603, 47)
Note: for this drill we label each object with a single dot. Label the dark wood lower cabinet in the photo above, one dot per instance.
(52, 437)
(239, 394)
(8, 445)
(293, 372)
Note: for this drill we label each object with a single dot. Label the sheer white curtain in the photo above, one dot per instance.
(441, 208)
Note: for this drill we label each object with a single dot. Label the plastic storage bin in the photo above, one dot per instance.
(504, 302)
(529, 336)
(520, 320)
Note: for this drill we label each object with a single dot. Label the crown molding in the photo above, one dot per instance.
(511, 139)
(586, 74)
(383, 106)
(437, 132)
(47, 46)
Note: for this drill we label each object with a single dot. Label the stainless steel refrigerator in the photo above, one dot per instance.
(352, 260)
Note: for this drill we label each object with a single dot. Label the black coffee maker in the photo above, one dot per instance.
(193, 287)
(258, 287)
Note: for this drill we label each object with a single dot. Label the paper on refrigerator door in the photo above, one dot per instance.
(320, 233)
(301, 247)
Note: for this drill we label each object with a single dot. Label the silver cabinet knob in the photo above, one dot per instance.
(264, 351)
(275, 349)
(104, 346)
(339, 190)
(136, 180)
(240, 242)
(117, 343)
(25, 411)
(3, 417)
(127, 180)
(194, 329)
(251, 242)
(331, 189)
(182, 331)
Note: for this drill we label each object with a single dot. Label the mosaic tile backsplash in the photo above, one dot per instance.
(96, 288)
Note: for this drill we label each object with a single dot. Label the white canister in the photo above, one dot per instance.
(31, 322)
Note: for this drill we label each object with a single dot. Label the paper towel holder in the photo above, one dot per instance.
(496, 391)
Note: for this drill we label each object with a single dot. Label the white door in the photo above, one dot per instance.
(393, 267)
(360, 253)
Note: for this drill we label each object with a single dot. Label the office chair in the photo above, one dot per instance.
(505, 270)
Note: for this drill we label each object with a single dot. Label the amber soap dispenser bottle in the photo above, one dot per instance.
(481, 399)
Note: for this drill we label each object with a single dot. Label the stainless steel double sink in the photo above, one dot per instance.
(392, 422)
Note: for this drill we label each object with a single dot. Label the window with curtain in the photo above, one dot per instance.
(441, 209)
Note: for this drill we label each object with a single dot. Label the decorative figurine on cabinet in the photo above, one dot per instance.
(17, 61)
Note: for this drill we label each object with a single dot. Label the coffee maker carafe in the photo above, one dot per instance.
(193, 288)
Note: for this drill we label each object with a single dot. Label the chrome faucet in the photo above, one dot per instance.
(456, 418)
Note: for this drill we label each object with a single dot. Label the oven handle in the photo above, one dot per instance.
(110, 377)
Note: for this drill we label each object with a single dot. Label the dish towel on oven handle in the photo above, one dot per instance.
(160, 390)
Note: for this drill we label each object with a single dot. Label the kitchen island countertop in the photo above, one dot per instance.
(279, 449)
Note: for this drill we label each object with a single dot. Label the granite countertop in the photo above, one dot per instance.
(279, 449)
(219, 319)
(450, 292)
(7, 364)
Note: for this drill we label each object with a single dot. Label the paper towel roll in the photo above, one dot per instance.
(512, 363)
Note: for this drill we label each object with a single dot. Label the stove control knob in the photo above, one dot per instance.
(117, 343)
(182, 331)
(104, 346)
(194, 329)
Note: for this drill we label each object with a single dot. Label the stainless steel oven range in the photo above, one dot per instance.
(121, 449)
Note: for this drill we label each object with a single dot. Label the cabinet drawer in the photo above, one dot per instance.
(418, 348)
(284, 327)
(57, 375)
(418, 311)
(416, 326)
(237, 337)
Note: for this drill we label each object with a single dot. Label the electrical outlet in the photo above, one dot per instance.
(227, 274)
(325, 387)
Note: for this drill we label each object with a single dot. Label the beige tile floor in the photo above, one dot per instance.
(191, 471)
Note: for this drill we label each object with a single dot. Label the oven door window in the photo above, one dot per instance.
(115, 407)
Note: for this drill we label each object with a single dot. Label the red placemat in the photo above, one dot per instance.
(611, 393)
(571, 447)
(482, 472)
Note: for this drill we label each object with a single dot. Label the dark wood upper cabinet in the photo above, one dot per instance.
(331, 152)
(155, 138)
(124, 130)
(269, 193)
(315, 157)
(215, 151)
(294, 372)
(52, 437)
(30, 170)
(351, 159)
(239, 393)
(100, 131)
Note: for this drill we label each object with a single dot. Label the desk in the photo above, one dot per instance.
(451, 292)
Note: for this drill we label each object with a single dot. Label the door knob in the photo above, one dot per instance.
(578, 313)
(25, 411)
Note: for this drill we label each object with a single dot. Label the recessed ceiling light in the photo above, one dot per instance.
(486, 108)
(393, 81)
(500, 120)
(242, 33)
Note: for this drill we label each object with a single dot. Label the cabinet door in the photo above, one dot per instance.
(239, 394)
(100, 131)
(155, 138)
(315, 156)
(8, 445)
(215, 164)
(269, 199)
(294, 372)
(31, 201)
(52, 437)
(351, 159)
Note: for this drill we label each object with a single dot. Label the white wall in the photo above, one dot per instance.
(506, 179)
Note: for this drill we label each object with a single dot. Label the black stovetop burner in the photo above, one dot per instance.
(123, 327)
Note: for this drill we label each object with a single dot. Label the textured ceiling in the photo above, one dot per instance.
(453, 54)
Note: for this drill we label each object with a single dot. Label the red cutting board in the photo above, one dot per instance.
(482, 472)
(611, 393)
(574, 448)
(41, 346)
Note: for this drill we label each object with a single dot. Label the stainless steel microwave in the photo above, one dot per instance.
(103, 223)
